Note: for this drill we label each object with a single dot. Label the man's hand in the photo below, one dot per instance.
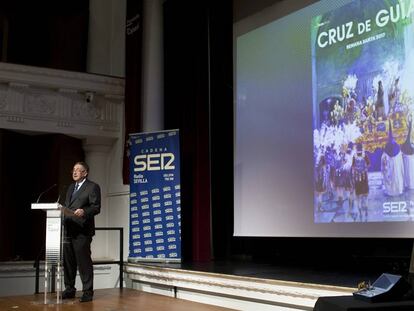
(79, 212)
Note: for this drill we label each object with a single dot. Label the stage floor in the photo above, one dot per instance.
(106, 300)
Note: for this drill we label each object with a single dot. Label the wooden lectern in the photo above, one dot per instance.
(54, 239)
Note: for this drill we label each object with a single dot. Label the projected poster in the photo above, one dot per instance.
(363, 91)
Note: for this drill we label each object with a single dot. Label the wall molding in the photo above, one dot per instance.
(58, 101)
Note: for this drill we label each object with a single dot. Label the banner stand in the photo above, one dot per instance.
(155, 197)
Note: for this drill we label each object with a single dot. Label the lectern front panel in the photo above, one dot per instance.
(53, 237)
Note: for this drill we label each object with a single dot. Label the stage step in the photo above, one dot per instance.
(230, 291)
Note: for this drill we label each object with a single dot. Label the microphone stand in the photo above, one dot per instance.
(42, 193)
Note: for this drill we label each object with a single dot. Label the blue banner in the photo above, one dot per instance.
(155, 196)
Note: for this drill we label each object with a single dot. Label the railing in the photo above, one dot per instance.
(120, 262)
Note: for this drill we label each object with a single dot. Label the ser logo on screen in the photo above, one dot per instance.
(154, 162)
(395, 207)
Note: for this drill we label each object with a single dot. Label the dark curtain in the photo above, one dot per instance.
(133, 71)
(187, 108)
(49, 33)
(221, 72)
(69, 40)
(198, 101)
(14, 197)
(28, 166)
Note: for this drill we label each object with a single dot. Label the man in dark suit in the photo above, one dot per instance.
(83, 200)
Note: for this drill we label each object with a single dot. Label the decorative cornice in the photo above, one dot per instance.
(21, 75)
(58, 101)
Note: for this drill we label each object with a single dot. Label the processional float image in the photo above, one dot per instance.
(363, 90)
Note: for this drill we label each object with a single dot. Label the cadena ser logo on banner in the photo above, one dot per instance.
(155, 201)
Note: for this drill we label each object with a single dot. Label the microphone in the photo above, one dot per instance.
(52, 186)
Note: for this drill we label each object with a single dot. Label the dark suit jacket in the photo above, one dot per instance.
(88, 198)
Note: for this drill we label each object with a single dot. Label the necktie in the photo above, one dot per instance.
(75, 189)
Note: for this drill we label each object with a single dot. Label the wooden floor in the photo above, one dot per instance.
(106, 300)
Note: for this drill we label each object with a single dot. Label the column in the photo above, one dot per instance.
(106, 37)
(96, 156)
(153, 67)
